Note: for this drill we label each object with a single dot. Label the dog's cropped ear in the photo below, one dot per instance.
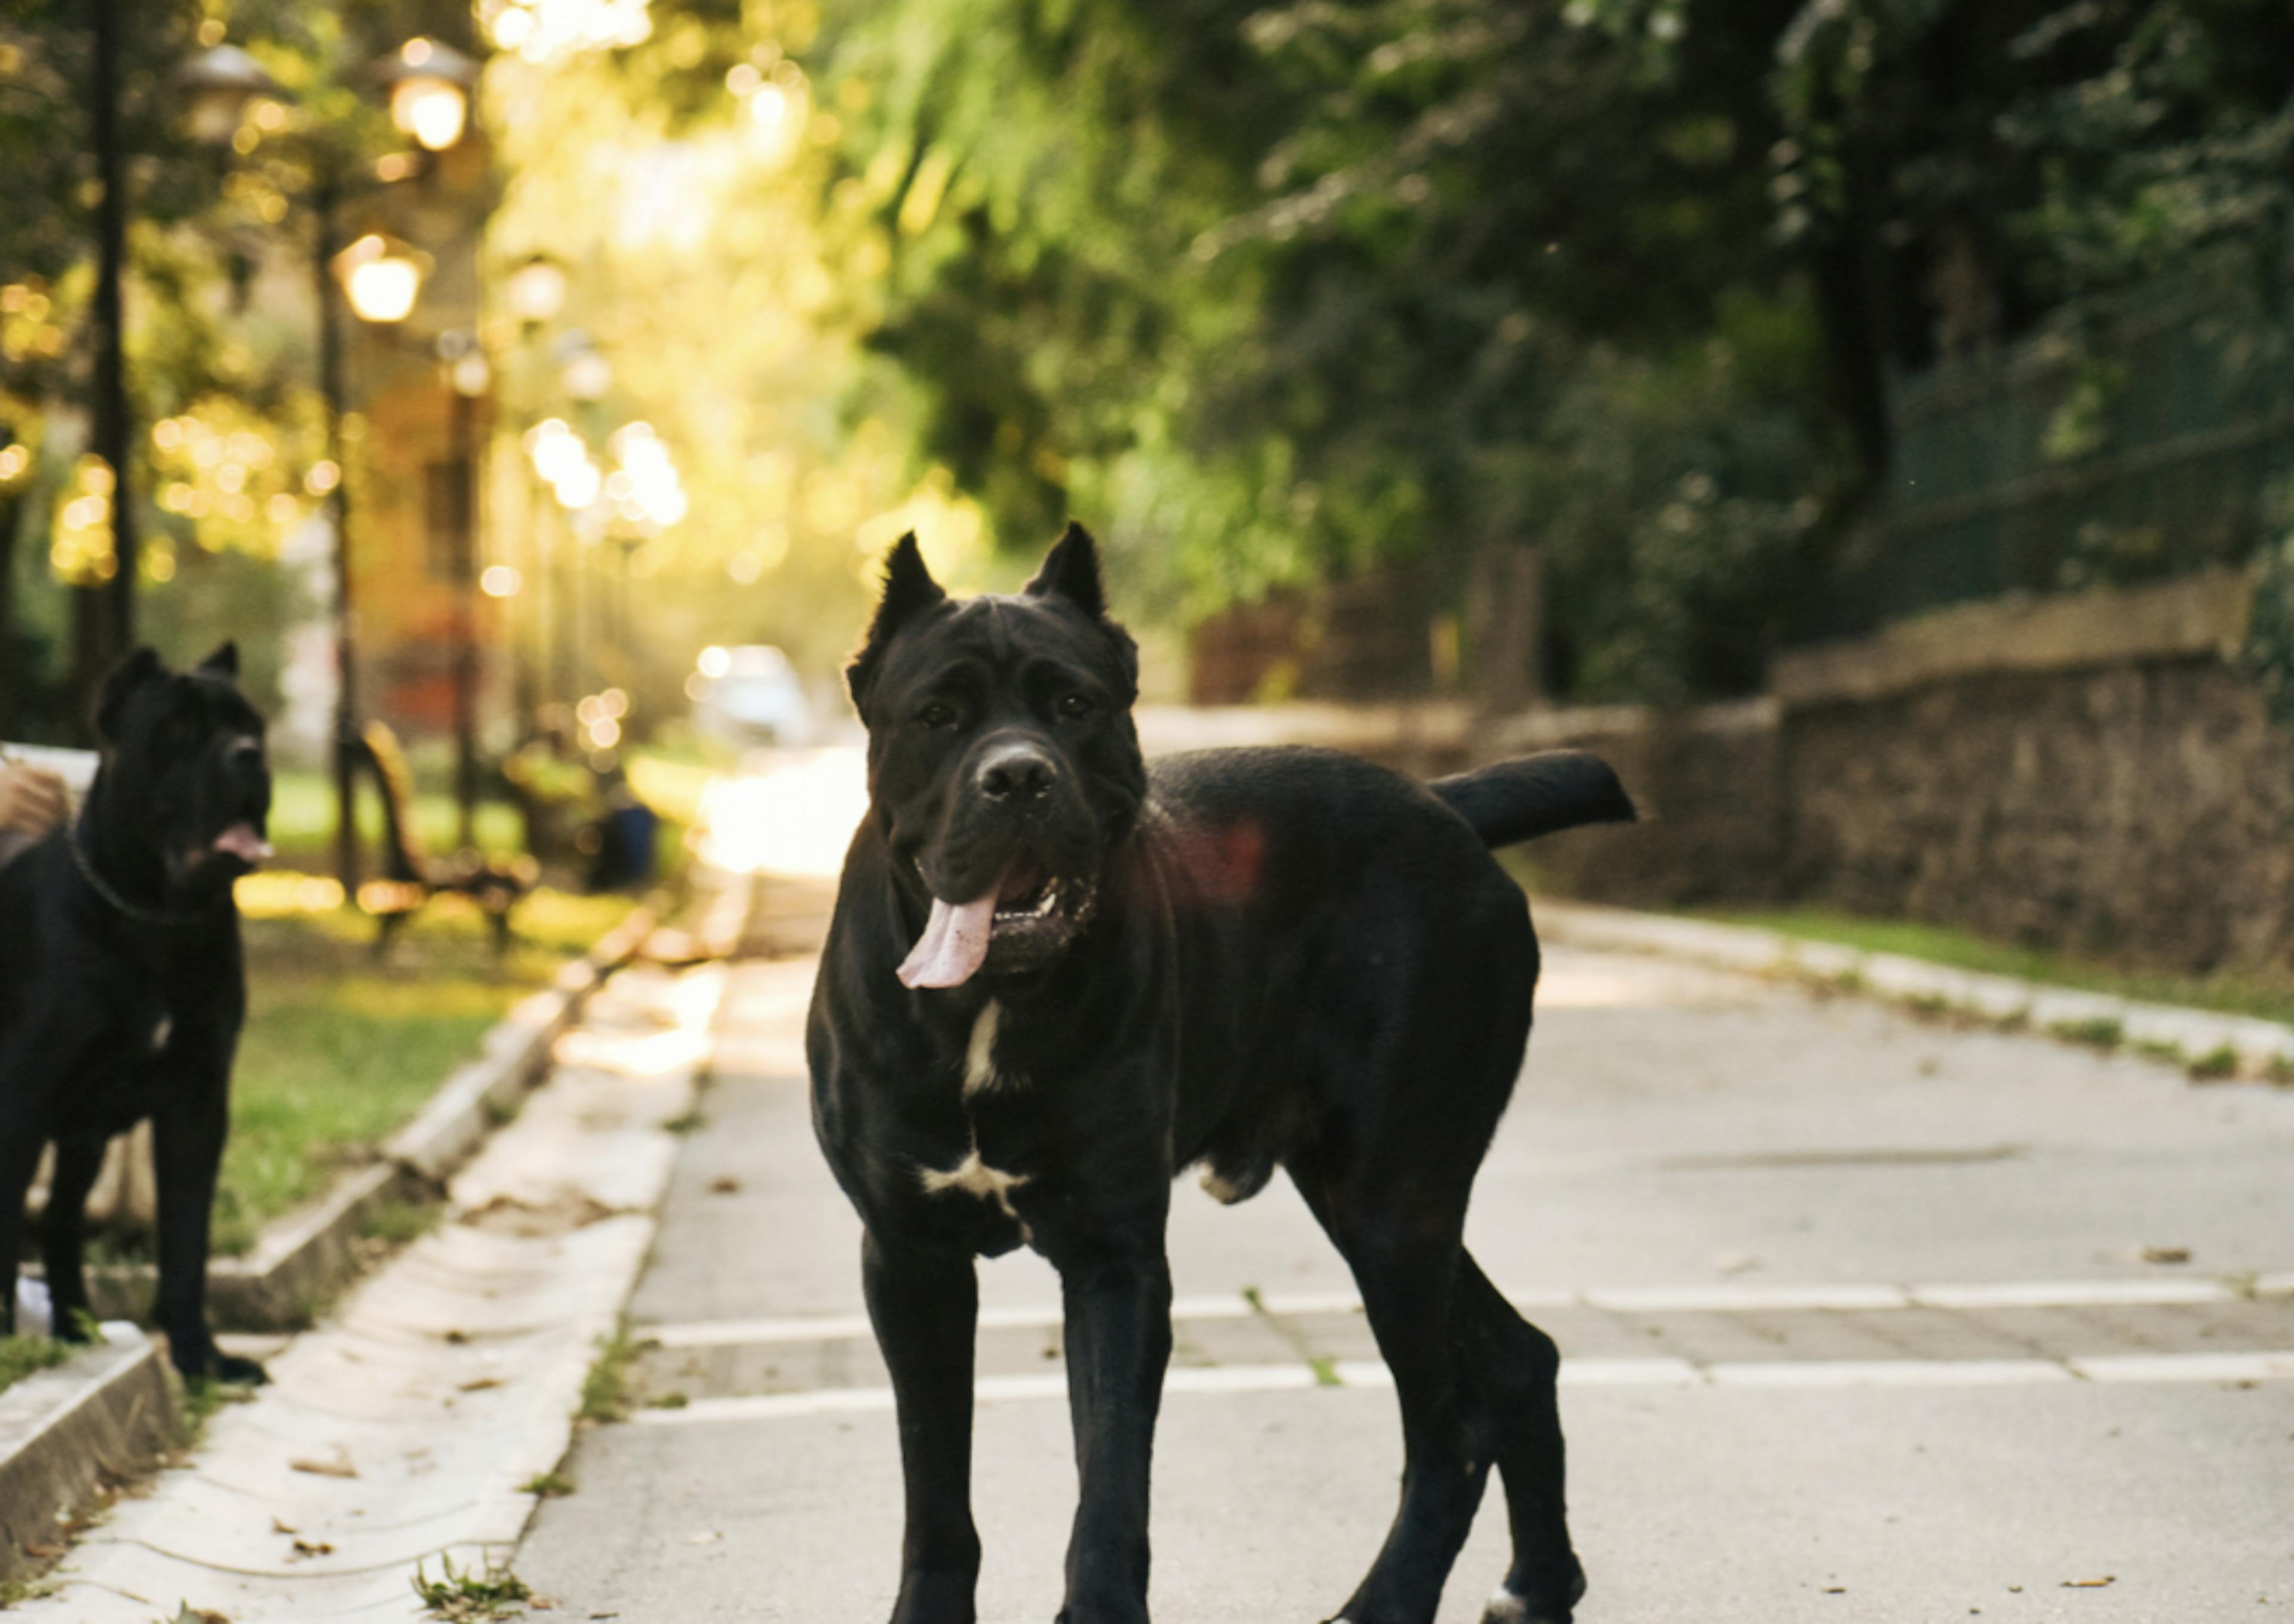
(223, 661)
(130, 674)
(1071, 571)
(909, 590)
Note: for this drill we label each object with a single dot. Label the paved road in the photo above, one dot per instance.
(1857, 1314)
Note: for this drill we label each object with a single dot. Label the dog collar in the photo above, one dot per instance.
(149, 916)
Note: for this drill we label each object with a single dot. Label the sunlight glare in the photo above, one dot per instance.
(794, 820)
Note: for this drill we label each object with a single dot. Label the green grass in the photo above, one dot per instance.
(606, 1390)
(461, 1594)
(2270, 996)
(342, 1048)
(23, 1356)
(302, 821)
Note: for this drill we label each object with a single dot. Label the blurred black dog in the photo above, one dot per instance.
(122, 984)
(1057, 975)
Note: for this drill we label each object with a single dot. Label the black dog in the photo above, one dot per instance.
(1056, 977)
(122, 984)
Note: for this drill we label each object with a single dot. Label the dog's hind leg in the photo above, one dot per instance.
(925, 1308)
(64, 1232)
(1406, 1254)
(1514, 1364)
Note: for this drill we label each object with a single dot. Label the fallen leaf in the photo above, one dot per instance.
(725, 1186)
(456, 1337)
(313, 1547)
(481, 1385)
(339, 1466)
(2166, 1254)
(42, 1552)
(2090, 1584)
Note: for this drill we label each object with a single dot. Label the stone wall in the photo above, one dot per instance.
(1706, 782)
(2096, 772)
(2140, 810)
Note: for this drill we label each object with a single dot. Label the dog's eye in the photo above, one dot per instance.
(939, 713)
(1076, 705)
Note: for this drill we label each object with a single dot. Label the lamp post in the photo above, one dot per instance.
(113, 426)
(468, 377)
(379, 277)
(381, 280)
(587, 376)
(535, 291)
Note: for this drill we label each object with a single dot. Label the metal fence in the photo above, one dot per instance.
(2158, 447)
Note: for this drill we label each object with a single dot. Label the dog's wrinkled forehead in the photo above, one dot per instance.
(994, 641)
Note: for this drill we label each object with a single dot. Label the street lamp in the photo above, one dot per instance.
(536, 290)
(216, 85)
(382, 278)
(430, 85)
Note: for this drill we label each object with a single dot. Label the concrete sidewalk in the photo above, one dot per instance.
(407, 1427)
(1857, 1309)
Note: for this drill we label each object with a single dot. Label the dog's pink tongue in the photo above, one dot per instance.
(243, 842)
(953, 945)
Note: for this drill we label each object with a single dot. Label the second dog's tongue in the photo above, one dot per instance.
(953, 945)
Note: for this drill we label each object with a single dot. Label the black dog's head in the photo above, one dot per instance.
(184, 776)
(1003, 766)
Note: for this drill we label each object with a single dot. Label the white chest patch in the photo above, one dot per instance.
(975, 1177)
(979, 1072)
(161, 1033)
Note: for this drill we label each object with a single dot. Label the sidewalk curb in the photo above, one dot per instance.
(2213, 1046)
(302, 1256)
(101, 1417)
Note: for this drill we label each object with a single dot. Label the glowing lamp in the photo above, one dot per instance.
(381, 277)
(217, 86)
(430, 84)
(536, 290)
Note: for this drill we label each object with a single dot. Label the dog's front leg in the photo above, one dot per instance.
(1118, 1341)
(187, 1138)
(925, 1307)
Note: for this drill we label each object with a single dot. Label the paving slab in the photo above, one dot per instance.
(403, 1429)
(1857, 1315)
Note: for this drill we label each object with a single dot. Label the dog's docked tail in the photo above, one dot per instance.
(1518, 800)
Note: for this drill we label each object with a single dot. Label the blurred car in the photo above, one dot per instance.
(751, 696)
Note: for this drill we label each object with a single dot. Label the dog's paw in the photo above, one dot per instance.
(239, 1372)
(76, 1324)
(212, 1364)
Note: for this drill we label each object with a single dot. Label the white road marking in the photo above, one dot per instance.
(2117, 1369)
(2072, 1294)
(2186, 1367)
(1743, 1299)
(1888, 1373)
(2148, 1291)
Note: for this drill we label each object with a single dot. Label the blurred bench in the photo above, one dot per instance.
(410, 876)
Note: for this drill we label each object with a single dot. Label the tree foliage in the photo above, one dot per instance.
(1279, 291)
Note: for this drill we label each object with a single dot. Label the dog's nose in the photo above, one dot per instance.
(1017, 772)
